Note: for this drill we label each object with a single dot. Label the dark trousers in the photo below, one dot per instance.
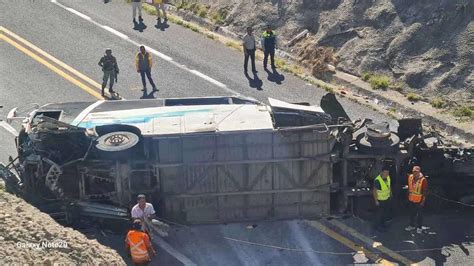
(108, 75)
(251, 54)
(383, 213)
(148, 75)
(416, 214)
(271, 53)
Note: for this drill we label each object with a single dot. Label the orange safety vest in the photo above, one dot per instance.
(414, 189)
(138, 248)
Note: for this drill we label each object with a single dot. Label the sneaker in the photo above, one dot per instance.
(419, 230)
(409, 228)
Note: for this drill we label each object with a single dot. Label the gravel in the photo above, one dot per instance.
(32, 237)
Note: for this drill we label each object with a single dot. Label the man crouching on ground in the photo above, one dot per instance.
(138, 244)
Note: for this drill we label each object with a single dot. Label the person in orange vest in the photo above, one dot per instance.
(417, 188)
(138, 244)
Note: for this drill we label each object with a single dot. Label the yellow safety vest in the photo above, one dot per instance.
(384, 192)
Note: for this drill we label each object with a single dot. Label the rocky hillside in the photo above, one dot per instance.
(29, 236)
(428, 44)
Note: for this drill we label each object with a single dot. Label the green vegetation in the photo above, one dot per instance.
(149, 9)
(234, 44)
(197, 8)
(438, 103)
(279, 63)
(379, 82)
(190, 26)
(396, 86)
(327, 88)
(318, 83)
(219, 16)
(293, 69)
(413, 97)
(210, 36)
(464, 112)
(202, 11)
(366, 76)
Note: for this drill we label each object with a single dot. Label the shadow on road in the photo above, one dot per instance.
(274, 76)
(147, 95)
(254, 82)
(140, 26)
(162, 25)
(448, 238)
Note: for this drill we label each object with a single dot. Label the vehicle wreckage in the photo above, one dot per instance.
(219, 159)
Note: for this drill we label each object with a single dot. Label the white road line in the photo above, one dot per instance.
(116, 32)
(206, 77)
(78, 13)
(160, 55)
(153, 51)
(8, 128)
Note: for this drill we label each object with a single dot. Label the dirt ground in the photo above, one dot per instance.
(424, 45)
(30, 236)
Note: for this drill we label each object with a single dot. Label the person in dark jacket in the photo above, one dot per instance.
(143, 62)
(110, 68)
(269, 44)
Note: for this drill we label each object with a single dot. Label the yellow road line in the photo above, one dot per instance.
(52, 58)
(53, 68)
(348, 243)
(372, 243)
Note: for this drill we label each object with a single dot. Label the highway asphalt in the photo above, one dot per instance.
(199, 66)
(187, 64)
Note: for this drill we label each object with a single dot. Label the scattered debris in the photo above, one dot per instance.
(251, 226)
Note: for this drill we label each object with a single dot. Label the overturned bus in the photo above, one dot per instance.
(213, 159)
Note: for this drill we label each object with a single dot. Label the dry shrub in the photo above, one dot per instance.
(316, 58)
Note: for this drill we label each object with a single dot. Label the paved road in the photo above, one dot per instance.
(198, 67)
(198, 63)
(448, 241)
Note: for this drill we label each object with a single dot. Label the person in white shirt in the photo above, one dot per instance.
(248, 44)
(143, 209)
